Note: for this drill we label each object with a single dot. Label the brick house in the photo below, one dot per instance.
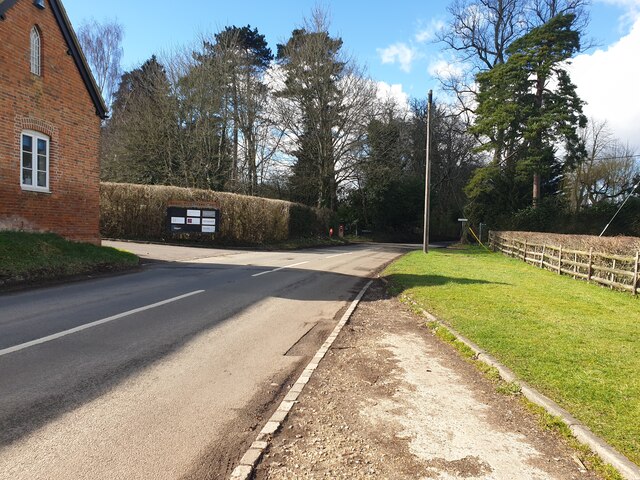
(50, 113)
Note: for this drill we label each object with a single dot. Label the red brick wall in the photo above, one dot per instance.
(57, 104)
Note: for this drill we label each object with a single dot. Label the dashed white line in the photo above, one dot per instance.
(79, 328)
(340, 254)
(278, 269)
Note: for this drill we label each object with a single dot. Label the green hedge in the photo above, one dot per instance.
(139, 212)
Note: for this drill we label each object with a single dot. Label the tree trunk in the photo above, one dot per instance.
(234, 168)
(536, 190)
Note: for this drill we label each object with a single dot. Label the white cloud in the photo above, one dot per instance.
(444, 69)
(429, 32)
(398, 52)
(394, 92)
(608, 81)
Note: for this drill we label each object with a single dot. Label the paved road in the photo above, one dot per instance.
(164, 373)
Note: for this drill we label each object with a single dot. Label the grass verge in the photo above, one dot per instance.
(546, 420)
(34, 257)
(575, 342)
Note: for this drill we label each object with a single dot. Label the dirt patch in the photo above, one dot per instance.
(390, 400)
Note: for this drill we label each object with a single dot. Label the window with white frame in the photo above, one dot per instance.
(34, 161)
(35, 51)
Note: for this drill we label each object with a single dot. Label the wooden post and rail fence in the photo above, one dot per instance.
(613, 271)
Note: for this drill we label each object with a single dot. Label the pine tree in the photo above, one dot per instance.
(531, 100)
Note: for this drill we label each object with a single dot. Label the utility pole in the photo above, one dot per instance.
(427, 178)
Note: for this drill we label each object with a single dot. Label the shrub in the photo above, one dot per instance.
(619, 245)
(553, 215)
(139, 212)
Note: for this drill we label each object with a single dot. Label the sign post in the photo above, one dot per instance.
(463, 235)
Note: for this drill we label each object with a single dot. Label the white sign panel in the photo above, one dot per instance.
(193, 213)
(208, 221)
(178, 220)
(208, 213)
(193, 221)
(208, 229)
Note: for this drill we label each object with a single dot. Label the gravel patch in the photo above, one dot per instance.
(390, 400)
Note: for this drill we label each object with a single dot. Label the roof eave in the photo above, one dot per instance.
(81, 62)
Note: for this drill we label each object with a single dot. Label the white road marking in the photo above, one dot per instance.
(278, 269)
(339, 254)
(79, 328)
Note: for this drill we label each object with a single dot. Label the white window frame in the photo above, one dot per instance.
(36, 51)
(33, 186)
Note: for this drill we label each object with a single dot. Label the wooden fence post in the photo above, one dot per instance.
(612, 276)
(575, 265)
(544, 246)
(560, 261)
(524, 255)
(589, 273)
(635, 274)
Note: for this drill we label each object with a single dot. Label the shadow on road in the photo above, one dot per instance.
(42, 383)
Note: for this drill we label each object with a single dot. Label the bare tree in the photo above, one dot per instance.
(324, 106)
(102, 47)
(606, 173)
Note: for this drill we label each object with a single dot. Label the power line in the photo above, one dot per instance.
(618, 211)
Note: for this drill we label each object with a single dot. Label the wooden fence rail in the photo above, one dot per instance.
(613, 271)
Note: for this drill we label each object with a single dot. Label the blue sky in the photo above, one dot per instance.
(375, 32)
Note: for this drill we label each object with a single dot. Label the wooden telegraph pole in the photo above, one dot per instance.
(427, 178)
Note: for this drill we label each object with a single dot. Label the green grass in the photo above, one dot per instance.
(577, 343)
(33, 257)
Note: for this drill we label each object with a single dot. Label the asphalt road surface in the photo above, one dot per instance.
(166, 372)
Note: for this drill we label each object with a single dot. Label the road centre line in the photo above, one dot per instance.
(86, 326)
(278, 269)
(340, 254)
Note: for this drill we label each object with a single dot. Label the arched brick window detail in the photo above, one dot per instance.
(36, 51)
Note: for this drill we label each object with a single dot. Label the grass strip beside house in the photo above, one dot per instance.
(577, 343)
(35, 257)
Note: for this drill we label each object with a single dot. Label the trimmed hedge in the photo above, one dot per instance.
(619, 245)
(139, 212)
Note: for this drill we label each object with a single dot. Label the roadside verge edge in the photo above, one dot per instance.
(245, 468)
(609, 455)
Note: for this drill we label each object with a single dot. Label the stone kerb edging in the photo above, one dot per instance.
(250, 459)
(606, 452)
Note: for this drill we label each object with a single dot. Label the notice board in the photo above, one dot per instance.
(193, 220)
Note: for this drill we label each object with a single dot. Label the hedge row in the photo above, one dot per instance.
(618, 245)
(139, 212)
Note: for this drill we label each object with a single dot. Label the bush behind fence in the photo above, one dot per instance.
(139, 212)
(594, 265)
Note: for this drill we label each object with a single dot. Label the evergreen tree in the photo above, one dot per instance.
(137, 143)
(312, 68)
(245, 56)
(532, 103)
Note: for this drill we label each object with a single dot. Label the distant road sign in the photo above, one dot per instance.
(193, 220)
(463, 220)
